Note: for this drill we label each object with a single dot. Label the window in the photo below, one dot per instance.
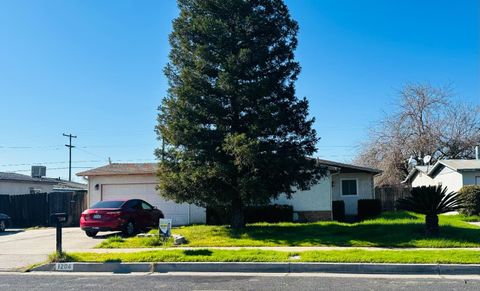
(146, 206)
(107, 204)
(477, 180)
(133, 204)
(34, 190)
(349, 187)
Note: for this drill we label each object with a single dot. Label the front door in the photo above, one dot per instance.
(349, 194)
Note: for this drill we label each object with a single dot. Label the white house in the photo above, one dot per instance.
(345, 182)
(122, 181)
(453, 174)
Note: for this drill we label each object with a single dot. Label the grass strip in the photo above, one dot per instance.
(347, 256)
(392, 229)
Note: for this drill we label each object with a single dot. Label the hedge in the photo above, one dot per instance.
(269, 213)
(369, 208)
(338, 210)
(470, 196)
(266, 213)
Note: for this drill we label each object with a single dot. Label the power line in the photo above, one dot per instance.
(62, 168)
(48, 163)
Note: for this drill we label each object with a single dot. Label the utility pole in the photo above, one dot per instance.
(69, 146)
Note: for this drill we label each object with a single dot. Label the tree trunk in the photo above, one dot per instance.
(238, 217)
(431, 224)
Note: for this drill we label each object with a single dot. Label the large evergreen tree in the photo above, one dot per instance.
(235, 133)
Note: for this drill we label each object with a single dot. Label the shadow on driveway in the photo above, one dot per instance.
(11, 231)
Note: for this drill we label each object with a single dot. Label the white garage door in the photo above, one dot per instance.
(179, 213)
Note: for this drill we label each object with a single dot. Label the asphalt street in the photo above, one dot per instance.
(218, 281)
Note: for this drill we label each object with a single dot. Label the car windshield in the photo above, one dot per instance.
(107, 204)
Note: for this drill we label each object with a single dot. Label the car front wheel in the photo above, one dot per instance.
(3, 226)
(91, 233)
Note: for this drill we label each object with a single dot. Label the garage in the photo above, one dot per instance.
(179, 213)
(138, 181)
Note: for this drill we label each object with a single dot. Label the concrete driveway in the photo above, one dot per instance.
(20, 248)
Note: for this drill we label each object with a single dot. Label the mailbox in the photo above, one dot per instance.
(58, 217)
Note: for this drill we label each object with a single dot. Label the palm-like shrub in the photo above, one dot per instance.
(431, 201)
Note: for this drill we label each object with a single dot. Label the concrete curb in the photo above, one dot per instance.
(249, 267)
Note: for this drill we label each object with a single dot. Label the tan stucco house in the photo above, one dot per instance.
(453, 174)
(342, 182)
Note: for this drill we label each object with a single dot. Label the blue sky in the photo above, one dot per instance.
(94, 69)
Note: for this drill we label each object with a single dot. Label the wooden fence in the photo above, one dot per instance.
(390, 195)
(28, 210)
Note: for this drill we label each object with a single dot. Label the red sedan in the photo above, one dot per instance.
(128, 216)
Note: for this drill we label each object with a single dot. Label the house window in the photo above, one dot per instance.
(349, 187)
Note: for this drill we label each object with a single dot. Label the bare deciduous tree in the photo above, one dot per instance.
(426, 121)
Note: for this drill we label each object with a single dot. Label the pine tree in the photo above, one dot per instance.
(235, 133)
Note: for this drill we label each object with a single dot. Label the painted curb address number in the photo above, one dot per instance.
(64, 267)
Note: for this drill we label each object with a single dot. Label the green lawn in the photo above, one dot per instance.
(352, 255)
(392, 229)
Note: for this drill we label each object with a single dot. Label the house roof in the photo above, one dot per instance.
(59, 183)
(68, 185)
(151, 168)
(347, 167)
(6, 176)
(456, 165)
(122, 169)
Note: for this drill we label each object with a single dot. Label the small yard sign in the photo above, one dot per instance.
(165, 227)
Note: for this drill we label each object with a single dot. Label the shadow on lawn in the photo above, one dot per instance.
(203, 252)
(398, 215)
(372, 234)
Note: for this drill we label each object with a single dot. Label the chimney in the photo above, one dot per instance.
(477, 152)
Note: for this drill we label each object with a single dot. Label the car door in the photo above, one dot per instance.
(150, 215)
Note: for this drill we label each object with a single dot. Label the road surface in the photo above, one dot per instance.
(218, 281)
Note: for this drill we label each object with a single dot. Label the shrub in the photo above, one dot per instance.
(431, 201)
(269, 213)
(266, 213)
(369, 208)
(338, 210)
(217, 216)
(470, 196)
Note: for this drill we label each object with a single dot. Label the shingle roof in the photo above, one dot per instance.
(461, 165)
(5, 176)
(456, 165)
(59, 183)
(151, 168)
(122, 169)
(348, 166)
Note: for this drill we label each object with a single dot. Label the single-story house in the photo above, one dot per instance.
(346, 182)
(16, 184)
(453, 174)
(342, 182)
